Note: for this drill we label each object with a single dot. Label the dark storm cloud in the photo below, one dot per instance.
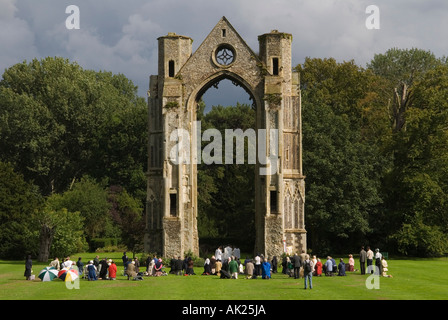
(121, 36)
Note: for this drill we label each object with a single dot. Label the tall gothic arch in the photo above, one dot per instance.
(183, 76)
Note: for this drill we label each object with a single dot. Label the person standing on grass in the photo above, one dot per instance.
(297, 263)
(378, 257)
(124, 258)
(218, 254)
(137, 264)
(308, 271)
(80, 266)
(148, 263)
(362, 260)
(274, 263)
(257, 266)
(249, 268)
(28, 268)
(369, 256)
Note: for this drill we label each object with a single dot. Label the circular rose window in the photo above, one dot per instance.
(225, 55)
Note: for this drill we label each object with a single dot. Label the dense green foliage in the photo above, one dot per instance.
(59, 122)
(375, 140)
(65, 129)
(226, 192)
(341, 159)
(375, 153)
(18, 201)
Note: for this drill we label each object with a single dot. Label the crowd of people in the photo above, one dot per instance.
(226, 266)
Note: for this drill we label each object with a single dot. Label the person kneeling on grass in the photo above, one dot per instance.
(341, 268)
(112, 271)
(385, 268)
(130, 271)
(329, 267)
(233, 268)
(91, 271)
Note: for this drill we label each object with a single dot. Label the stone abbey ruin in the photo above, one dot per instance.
(183, 77)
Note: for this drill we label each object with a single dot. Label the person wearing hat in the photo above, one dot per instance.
(91, 271)
(130, 271)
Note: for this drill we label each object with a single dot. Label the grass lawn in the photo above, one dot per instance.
(413, 279)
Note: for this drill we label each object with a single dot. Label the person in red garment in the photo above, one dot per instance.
(112, 271)
(318, 268)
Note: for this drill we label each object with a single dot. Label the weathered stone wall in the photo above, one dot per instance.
(182, 79)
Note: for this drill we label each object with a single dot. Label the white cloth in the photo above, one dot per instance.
(228, 252)
(218, 254)
(237, 253)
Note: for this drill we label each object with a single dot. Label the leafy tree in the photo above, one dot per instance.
(61, 232)
(402, 68)
(341, 110)
(127, 212)
(18, 202)
(55, 124)
(417, 186)
(226, 193)
(89, 198)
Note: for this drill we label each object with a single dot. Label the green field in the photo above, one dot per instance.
(413, 279)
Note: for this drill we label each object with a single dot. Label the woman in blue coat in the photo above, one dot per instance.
(266, 269)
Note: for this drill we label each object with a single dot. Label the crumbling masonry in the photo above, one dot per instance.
(182, 79)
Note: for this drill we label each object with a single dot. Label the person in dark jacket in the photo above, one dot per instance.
(274, 264)
(28, 268)
(190, 265)
(104, 268)
(297, 263)
(179, 264)
(341, 268)
(125, 259)
(173, 265)
(362, 260)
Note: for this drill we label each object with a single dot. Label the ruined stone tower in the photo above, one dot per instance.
(183, 77)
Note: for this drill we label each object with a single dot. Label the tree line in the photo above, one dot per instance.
(73, 158)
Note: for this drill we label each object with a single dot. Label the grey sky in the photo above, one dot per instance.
(121, 36)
